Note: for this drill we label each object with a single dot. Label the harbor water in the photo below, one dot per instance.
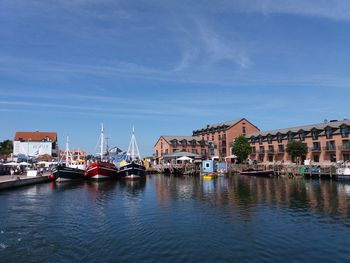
(170, 219)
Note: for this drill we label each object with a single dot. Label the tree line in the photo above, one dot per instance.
(6, 147)
(241, 148)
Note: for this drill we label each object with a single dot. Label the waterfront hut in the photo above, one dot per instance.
(208, 166)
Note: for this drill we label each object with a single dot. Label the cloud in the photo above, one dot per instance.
(219, 48)
(330, 9)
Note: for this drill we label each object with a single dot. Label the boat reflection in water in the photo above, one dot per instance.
(132, 186)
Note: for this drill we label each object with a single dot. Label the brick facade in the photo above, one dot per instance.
(326, 142)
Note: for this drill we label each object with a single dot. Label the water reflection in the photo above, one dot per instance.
(133, 187)
(241, 192)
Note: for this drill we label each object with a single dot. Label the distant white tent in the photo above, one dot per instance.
(11, 164)
(231, 157)
(24, 164)
(184, 158)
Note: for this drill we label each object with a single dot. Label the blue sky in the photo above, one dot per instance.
(170, 67)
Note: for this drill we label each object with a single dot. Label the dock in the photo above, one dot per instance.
(9, 182)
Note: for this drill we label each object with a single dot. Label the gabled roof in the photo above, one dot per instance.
(169, 138)
(318, 126)
(180, 138)
(35, 136)
(226, 123)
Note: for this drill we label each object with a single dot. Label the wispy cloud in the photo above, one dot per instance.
(331, 9)
(220, 49)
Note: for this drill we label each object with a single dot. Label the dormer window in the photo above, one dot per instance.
(252, 139)
(184, 143)
(174, 142)
(260, 139)
(269, 138)
(290, 136)
(302, 135)
(279, 138)
(344, 130)
(193, 143)
(314, 134)
(329, 133)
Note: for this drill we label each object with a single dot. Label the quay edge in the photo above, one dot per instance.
(18, 182)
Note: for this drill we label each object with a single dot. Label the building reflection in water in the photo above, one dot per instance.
(244, 194)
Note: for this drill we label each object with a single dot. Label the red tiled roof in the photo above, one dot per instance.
(35, 136)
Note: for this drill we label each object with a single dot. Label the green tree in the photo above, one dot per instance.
(241, 148)
(6, 147)
(296, 149)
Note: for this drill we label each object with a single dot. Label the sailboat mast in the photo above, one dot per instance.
(67, 150)
(101, 146)
(133, 149)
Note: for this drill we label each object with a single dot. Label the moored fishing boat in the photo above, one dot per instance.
(256, 172)
(71, 169)
(103, 168)
(132, 168)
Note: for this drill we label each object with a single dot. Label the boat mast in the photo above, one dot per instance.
(133, 149)
(67, 150)
(101, 146)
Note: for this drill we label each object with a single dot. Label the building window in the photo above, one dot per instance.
(203, 152)
(243, 130)
(290, 136)
(224, 137)
(252, 139)
(314, 135)
(316, 146)
(174, 143)
(271, 149)
(346, 157)
(260, 139)
(346, 145)
(281, 148)
(316, 158)
(261, 149)
(166, 151)
(279, 138)
(330, 146)
(252, 149)
(270, 158)
(212, 137)
(344, 131)
(302, 136)
(329, 133)
(269, 139)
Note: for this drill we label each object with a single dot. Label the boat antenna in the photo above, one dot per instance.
(101, 146)
(107, 139)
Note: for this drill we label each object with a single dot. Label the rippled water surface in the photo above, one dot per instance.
(169, 219)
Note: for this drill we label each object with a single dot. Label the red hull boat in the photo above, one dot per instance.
(101, 170)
